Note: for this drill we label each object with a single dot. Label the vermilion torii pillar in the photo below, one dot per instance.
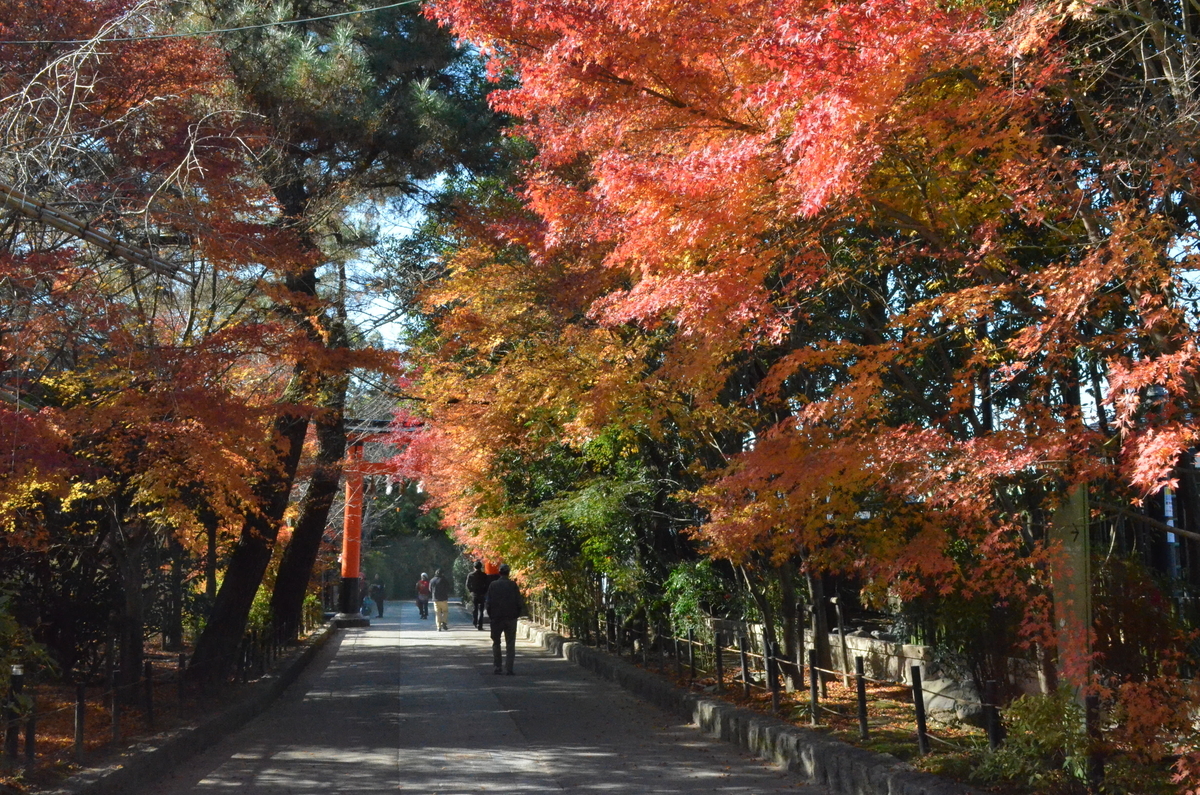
(350, 603)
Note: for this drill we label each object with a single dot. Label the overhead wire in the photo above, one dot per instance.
(212, 31)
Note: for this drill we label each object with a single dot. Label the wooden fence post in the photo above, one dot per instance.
(861, 686)
(919, 706)
(80, 717)
(148, 679)
(719, 662)
(814, 688)
(800, 655)
(116, 706)
(31, 735)
(179, 681)
(745, 660)
(771, 653)
(12, 728)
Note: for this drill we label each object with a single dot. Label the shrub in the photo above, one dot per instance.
(17, 646)
(1046, 746)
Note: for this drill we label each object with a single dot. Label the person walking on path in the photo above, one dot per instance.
(377, 596)
(477, 586)
(423, 595)
(504, 606)
(440, 587)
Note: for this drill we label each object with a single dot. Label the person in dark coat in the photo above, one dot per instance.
(477, 586)
(504, 605)
(377, 595)
(439, 587)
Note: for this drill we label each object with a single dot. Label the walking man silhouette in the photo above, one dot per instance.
(504, 606)
(477, 586)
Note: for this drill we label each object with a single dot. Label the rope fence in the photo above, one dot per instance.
(756, 669)
(102, 717)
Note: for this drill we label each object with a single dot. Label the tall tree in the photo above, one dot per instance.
(134, 362)
(363, 108)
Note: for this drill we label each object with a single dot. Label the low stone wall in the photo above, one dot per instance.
(817, 759)
(882, 659)
(893, 661)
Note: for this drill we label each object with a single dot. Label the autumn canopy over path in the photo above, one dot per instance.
(714, 309)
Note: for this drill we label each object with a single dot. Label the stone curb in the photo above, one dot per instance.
(817, 759)
(155, 756)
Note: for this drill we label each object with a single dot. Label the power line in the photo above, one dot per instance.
(214, 32)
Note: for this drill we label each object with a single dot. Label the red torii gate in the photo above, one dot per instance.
(354, 468)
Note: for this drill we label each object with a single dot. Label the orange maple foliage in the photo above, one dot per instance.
(932, 282)
(153, 385)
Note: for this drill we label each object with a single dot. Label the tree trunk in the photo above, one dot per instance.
(790, 618)
(1047, 668)
(131, 546)
(820, 626)
(295, 569)
(763, 600)
(173, 621)
(211, 525)
(248, 562)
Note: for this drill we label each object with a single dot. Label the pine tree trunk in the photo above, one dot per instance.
(295, 569)
(251, 555)
(248, 562)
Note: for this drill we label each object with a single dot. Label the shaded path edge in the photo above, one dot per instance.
(153, 756)
(842, 768)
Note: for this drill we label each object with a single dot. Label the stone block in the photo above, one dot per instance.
(947, 700)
